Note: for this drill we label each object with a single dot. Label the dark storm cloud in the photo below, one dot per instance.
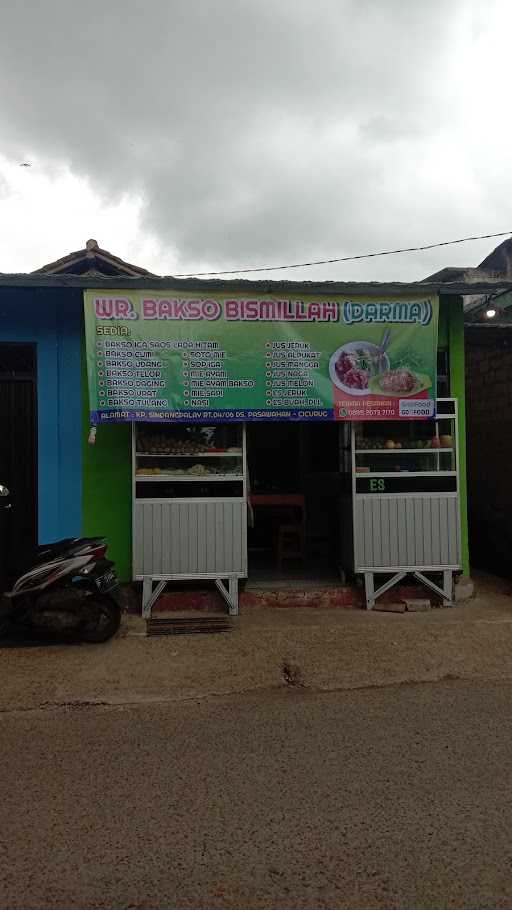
(255, 131)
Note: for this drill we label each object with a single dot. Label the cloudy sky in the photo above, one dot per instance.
(187, 135)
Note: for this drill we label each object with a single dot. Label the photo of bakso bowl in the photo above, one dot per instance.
(400, 383)
(354, 364)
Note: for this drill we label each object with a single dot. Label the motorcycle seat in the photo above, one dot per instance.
(67, 546)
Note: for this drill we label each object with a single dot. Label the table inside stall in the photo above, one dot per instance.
(284, 505)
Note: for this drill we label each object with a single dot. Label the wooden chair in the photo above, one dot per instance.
(290, 543)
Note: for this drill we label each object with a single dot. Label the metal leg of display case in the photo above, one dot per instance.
(372, 593)
(230, 594)
(446, 591)
(150, 595)
(448, 587)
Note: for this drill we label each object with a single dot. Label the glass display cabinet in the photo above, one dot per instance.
(189, 506)
(405, 500)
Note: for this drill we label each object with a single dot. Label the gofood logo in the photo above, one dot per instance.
(400, 311)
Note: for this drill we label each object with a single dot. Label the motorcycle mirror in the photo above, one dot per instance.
(4, 491)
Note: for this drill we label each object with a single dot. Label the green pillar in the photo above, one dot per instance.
(107, 487)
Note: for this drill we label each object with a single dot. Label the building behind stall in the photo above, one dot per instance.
(488, 334)
(488, 331)
(68, 487)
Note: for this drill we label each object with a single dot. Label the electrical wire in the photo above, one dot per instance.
(303, 265)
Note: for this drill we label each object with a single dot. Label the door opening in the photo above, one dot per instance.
(296, 483)
(18, 453)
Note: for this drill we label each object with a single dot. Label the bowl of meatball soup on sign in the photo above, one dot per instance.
(355, 364)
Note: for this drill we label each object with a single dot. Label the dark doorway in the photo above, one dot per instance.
(18, 454)
(295, 481)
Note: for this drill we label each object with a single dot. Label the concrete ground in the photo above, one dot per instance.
(331, 759)
(394, 798)
(321, 650)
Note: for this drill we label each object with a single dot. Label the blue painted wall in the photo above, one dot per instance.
(52, 318)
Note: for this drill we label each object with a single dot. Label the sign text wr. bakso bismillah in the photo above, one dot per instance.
(169, 357)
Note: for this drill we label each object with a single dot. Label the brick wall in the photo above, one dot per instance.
(489, 450)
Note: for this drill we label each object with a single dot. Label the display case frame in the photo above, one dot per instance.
(181, 536)
(408, 522)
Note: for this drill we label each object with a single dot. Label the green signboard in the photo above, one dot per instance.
(167, 357)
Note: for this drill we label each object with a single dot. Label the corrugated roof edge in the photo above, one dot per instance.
(246, 285)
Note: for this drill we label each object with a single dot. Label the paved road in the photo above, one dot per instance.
(387, 798)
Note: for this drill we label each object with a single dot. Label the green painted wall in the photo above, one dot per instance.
(107, 486)
(458, 390)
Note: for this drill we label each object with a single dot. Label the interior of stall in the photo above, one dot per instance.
(298, 480)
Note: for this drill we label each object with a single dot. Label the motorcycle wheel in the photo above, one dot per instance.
(103, 620)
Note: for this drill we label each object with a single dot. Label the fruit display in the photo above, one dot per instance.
(162, 444)
(436, 442)
(195, 470)
(187, 441)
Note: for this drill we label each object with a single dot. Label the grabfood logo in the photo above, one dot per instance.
(400, 311)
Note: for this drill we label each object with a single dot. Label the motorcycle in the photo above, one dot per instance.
(69, 591)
